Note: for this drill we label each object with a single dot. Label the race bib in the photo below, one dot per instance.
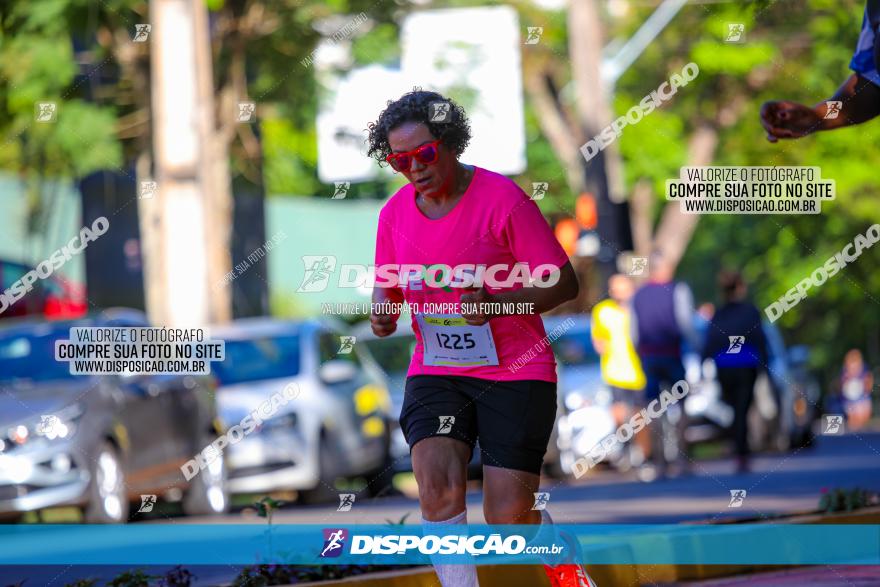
(449, 341)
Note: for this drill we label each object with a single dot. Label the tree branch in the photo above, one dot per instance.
(556, 128)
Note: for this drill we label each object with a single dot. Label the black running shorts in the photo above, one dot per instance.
(513, 420)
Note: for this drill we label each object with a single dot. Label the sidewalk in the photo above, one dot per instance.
(826, 576)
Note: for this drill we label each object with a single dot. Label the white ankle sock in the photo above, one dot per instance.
(452, 575)
(547, 534)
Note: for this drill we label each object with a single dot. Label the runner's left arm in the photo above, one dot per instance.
(531, 241)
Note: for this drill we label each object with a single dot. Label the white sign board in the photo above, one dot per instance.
(471, 55)
(355, 101)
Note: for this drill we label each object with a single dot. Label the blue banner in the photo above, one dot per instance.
(204, 544)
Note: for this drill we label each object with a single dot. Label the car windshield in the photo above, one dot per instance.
(575, 348)
(29, 355)
(393, 353)
(258, 359)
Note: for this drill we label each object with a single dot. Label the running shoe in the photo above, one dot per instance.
(571, 575)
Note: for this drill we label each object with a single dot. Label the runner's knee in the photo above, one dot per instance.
(440, 497)
(511, 510)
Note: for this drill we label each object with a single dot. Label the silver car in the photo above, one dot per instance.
(102, 443)
(334, 425)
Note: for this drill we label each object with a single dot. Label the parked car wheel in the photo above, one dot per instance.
(325, 490)
(208, 493)
(107, 496)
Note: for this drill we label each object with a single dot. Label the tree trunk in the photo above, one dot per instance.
(675, 229)
(557, 129)
(215, 174)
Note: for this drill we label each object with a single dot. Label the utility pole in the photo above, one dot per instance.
(173, 222)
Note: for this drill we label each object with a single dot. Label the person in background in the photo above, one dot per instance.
(621, 369)
(662, 319)
(736, 342)
(856, 382)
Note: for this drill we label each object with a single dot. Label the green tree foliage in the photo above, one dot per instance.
(798, 52)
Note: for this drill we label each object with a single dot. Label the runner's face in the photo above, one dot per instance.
(432, 180)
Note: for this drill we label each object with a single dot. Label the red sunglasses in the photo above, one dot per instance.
(426, 154)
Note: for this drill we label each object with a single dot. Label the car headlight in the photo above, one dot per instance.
(370, 399)
(604, 397)
(62, 424)
(575, 401)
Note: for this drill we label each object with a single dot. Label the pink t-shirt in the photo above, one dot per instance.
(494, 222)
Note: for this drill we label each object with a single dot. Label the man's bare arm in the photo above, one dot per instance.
(860, 100)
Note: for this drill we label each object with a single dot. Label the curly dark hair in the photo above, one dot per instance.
(415, 106)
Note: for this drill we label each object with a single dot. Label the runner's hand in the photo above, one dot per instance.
(383, 324)
(476, 297)
(788, 120)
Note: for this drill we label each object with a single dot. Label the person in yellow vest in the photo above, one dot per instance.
(620, 365)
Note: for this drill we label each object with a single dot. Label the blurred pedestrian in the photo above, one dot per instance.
(856, 101)
(663, 318)
(856, 383)
(736, 342)
(620, 365)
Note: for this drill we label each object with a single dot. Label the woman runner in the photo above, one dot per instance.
(477, 373)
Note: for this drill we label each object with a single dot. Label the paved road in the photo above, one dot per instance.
(781, 483)
(786, 483)
(825, 576)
